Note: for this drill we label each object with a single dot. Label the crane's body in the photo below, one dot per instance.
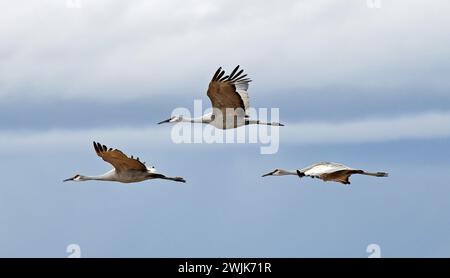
(230, 102)
(326, 171)
(126, 169)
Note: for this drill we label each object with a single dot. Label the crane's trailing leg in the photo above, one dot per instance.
(258, 122)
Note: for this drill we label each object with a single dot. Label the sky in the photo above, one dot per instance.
(358, 84)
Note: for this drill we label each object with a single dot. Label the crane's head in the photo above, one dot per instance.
(74, 178)
(276, 172)
(173, 119)
(281, 172)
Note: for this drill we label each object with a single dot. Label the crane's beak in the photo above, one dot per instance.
(268, 174)
(166, 121)
(72, 178)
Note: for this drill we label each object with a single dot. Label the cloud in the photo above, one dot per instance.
(58, 139)
(371, 130)
(433, 125)
(109, 50)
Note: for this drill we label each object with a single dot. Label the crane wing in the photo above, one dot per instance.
(229, 91)
(324, 168)
(118, 159)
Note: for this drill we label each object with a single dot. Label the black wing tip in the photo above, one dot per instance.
(238, 75)
(300, 174)
(218, 71)
(226, 77)
(95, 146)
(100, 147)
(234, 76)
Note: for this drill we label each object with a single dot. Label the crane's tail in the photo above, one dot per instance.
(377, 174)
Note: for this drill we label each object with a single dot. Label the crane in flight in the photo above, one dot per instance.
(230, 102)
(326, 171)
(126, 169)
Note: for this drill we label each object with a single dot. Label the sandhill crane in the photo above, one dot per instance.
(230, 102)
(126, 169)
(326, 171)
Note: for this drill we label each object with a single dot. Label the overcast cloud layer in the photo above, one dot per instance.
(115, 49)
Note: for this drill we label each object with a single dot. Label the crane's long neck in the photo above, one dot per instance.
(288, 172)
(201, 120)
(95, 178)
